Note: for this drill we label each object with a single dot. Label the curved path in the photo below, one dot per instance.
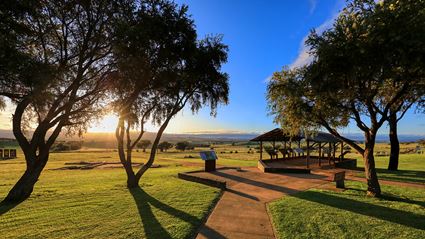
(241, 211)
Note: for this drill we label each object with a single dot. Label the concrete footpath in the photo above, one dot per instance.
(242, 211)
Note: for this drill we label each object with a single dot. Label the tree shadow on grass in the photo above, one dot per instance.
(152, 227)
(7, 206)
(414, 176)
(404, 218)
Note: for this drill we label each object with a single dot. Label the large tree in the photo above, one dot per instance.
(161, 67)
(354, 64)
(58, 76)
(404, 32)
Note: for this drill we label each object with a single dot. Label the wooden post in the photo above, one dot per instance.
(261, 150)
(308, 153)
(290, 148)
(274, 148)
(342, 150)
(329, 153)
(320, 154)
(210, 165)
(284, 149)
(334, 151)
(299, 147)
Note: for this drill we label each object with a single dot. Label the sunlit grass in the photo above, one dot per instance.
(96, 204)
(350, 214)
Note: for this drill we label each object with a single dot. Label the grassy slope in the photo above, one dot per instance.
(96, 203)
(328, 214)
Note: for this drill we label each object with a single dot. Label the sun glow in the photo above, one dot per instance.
(106, 124)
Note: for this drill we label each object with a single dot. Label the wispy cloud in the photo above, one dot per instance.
(304, 57)
(312, 4)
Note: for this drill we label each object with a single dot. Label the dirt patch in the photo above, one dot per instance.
(82, 165)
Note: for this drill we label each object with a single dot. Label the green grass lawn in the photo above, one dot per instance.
(96, 204)
(350, 214)
(411, 168)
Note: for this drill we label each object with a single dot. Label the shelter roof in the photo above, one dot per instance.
(276, 135)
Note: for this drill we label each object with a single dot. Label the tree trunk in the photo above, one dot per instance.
(152, 155)
(373, 187)
(395, 145)
(25, 185)
(125, 156)
(132, 180)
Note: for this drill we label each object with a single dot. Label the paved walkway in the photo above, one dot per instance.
(242, 212)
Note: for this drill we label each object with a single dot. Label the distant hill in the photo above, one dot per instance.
(102, 140)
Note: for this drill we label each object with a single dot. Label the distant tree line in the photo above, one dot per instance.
(67, 146)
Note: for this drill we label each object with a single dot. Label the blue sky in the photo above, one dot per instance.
(263, 36)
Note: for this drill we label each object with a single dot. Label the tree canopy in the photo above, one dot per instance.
(53, 67)
(161, 67)
(367, 67)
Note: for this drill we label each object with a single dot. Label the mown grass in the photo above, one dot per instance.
(411, 168)
(320, 213)
(96, 204)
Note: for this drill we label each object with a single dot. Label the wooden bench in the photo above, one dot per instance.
(272, 153)
(339, 178)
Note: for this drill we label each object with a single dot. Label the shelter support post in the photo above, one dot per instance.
(261, 150)
(320, 154)
(308, 153)
(299, 146)
(329, 153)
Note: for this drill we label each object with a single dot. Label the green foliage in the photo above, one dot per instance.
(144, 144)
(67, 146)
(183, 145)
(367, 66)
(161, 68)
(164, 146)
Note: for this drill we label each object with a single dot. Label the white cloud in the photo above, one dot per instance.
(304, 57)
